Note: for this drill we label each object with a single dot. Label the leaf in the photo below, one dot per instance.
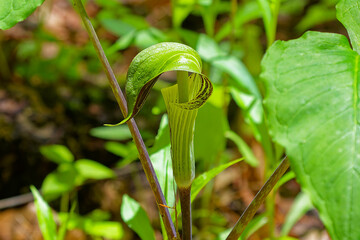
(243, 148)
(300, 207)
(14, 11)
(247, 11)
(161, 160)
(105, 229)
(200, 182)
(315, 15)
(44, 215)
(181, 9)
(57, 153)
(209, 144)
(135, 217)
(241, 78)
(348, 13)
(312, 99)
(208, 49)
(203, 179)
(147, 66)
(59, 182)
(111, 133)
(89, 169)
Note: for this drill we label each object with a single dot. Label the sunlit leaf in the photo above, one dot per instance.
(135, 217)
(313, 105)
(348, 13)
(14, 11)
(57, 153)
(59, 182)
(44, 215)
(111, 133)
(243, 148)
(96, 228)
(203, 179)
(200, 181)
(161, 160)
(89, 169)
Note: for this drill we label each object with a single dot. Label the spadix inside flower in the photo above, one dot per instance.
(182, 125)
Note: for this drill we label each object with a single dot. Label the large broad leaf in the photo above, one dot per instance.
(14, 11)
(313, 102)
(348, 13)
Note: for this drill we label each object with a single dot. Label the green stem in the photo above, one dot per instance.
(143, 154)
(234, 6)
(275, 5)
(250, 211)
(64, 202)
(185, 202)
(183, 86)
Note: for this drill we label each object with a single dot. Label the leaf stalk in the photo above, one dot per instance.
(143, 154)
(250, 211)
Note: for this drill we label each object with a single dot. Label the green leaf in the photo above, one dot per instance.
(161, 160)
(59, 182)
(348, 13)
(44, 215)
(247, 11)
(147, 66)
(313, 102)
(208, 144)
(203, 179)
(57, 153)
(300, 207)
(89, 169)
(14, 11)
(135, 217)
(316, 14)
(200, 182)
(111, 133)
(208, 49)
(181, 9)
(105, 229)
(127, 151)
(243, 148)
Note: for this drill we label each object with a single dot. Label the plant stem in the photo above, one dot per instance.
(250, 211)
(183, 86)
(64, 202)
(143, 154)
(185, 202)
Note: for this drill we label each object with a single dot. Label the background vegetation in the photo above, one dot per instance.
(53, 91)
